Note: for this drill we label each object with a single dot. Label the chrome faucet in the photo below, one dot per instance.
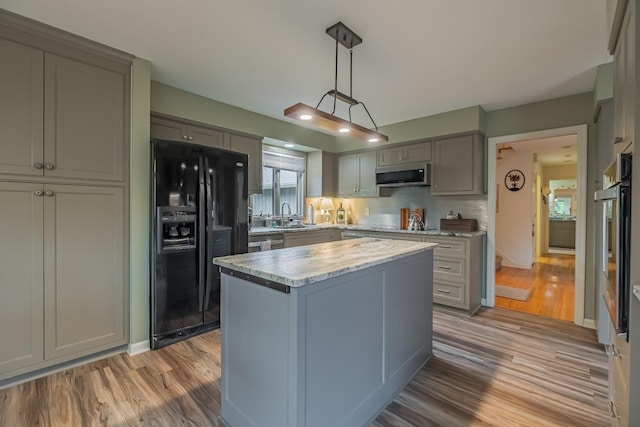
(282, 212)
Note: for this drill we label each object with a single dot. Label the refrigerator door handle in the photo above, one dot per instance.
(209, 225)
(202, 233)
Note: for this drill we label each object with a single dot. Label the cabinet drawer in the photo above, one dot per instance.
(447, 293)
(449, 269)
(449, 247)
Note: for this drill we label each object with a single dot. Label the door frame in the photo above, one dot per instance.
(581, 131)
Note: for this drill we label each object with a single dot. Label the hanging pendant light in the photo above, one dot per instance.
(329, 121)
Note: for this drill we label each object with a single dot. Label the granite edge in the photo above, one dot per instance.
(313, 278)
(636, 291)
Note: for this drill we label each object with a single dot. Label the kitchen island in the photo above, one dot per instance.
(323, 335)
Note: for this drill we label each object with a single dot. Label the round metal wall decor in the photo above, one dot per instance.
(514, 180)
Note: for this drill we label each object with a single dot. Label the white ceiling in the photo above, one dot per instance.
(418, 57)
(557, 150)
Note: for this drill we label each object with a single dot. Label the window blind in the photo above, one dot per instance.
(288, 162)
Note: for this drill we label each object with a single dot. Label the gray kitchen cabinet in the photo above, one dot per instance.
(67, 294)
(356, 175)
(252, 147)
(409, 153)
(84, 120)
(624, 82)
(64, 181)
(21, 288)
(21, 108)
(458, 271)
(172, 130)
(458, 165)
(303, 238)
(64, 118)
(84, 286)
(321, 174)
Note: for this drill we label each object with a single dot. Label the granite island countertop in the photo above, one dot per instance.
(260, 231)
(636, 291)
(303, 265)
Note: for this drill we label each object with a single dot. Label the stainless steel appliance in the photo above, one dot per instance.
(616, 238)
(199, 211)
(403, 175)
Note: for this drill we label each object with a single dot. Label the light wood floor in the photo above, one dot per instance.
(552, 280)
(497, 368)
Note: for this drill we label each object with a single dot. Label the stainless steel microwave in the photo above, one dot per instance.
(403, 175)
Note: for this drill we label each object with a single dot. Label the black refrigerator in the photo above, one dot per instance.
(199, 211)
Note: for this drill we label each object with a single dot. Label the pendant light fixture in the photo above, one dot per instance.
(329, 121)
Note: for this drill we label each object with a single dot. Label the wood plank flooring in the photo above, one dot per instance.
(552, 284)
(497, 368)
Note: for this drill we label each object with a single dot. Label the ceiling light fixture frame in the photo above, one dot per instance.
(344, 36)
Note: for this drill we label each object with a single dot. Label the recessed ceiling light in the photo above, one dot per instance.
(289, 145)
(306, 117)
(344, 130)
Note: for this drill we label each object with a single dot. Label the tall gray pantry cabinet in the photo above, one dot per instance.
(64, 185)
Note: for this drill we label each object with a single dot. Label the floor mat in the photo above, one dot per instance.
(513, 293)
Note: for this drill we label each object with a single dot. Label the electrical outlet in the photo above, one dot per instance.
(366, 211)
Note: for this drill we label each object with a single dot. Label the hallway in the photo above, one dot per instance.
(551, 281)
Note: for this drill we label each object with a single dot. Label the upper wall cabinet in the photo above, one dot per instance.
(175, 131)
(624, 82)
(418, 152)
(171, 129)
(357, 175)
(458, 165)
(321, 174)
(63, 118)
(252, 147)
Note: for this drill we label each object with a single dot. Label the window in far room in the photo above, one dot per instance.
(282, 181)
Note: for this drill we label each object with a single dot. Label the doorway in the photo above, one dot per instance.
(519, 221)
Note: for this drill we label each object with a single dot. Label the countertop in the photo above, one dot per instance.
(259, 231)
(303, 265)
(636, 291)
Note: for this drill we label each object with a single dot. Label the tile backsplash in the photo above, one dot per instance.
(385, 211)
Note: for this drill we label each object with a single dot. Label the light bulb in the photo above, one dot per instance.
(306, 116)
(373, 139)
(344, 130)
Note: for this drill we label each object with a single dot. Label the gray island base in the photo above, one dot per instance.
(323, 335)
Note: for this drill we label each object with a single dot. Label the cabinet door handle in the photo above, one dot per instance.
(38, 193)
(611, 350)
(50, 166)
(445, 246)
(184, 136)
(37, 165)
(617, 140)
(190, 138)
(444, 267)
(613, 411)
(49, 193)
(444, 291)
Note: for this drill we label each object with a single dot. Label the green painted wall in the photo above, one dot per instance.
(558, 113)
(176, 102)
(139, 201)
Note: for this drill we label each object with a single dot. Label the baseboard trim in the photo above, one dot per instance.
(589, 323)
(138, 347)
(44, 372)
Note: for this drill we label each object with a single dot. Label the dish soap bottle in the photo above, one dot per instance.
(340, 215)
